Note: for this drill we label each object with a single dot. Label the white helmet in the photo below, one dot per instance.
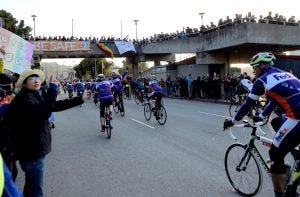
(100, 77)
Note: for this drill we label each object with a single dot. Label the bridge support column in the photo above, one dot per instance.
(134, 65)
(156, 62)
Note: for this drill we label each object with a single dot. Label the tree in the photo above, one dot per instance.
(11, 24)
(90, 67)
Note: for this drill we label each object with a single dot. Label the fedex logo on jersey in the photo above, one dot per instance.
(281, 133)
(282, 76)
(278, 77)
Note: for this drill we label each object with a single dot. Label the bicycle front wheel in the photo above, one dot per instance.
(122, 111)
(161, 115)
(147, 111)
(234, 108)
(136, 99)
(243, 170)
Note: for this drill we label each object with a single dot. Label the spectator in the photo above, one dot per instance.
(237, 19)
(30, 110)
(261, 19)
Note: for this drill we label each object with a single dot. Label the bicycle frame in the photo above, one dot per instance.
(267, 142)
(294, 172)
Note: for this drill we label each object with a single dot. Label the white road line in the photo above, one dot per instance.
(142, 123)
(201, 112)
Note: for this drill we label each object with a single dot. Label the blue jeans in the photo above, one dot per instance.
(34, 177)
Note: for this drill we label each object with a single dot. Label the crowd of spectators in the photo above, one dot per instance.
(208, 87)
(187, 31)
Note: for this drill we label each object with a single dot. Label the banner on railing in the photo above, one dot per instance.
(55, 45)
(124, 46)
(15, 51)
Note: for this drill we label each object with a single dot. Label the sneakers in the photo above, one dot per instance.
(102, 128)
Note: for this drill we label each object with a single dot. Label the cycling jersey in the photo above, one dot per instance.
(70, 87)
(117, 85)
(88, 85)
(79, 86)
(283, 89)
(247, 84)
(104, 91)
(154, 87)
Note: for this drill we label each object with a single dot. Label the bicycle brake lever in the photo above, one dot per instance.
(231, 135)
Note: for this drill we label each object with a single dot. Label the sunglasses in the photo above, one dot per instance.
(34, 79)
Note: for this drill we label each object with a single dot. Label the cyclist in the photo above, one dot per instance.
(139, 88)
(155, 92)
(105, 97)
(283, 89)
(117, 87)
(94, 91)
(70, 89)
(79, 87)
(88, 87)
(243, 88)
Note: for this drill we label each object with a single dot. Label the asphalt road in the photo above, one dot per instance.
(185, 157)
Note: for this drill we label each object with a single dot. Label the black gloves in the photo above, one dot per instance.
(227, 124)
(257, 119)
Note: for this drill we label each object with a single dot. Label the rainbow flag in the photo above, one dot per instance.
(106, 48)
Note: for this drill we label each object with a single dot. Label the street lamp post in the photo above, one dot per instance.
(201, 14)
(121, 30)
(135, 22)
(33, 17)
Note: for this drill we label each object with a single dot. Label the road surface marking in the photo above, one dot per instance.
(201, 112)
(142, 123)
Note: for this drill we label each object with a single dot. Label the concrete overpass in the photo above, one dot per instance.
(215, 49)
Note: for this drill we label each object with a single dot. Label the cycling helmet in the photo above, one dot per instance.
(100, 77)
(113, 75)
(153, 78)
(266, 57)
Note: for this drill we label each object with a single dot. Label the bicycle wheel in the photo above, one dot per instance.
(243, 170)
(121, 108)
(161, 115)
(136, 99)
(147, 111)
(115, 106)
(234, 108)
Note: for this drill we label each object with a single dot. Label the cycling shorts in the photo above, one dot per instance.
(285, 140)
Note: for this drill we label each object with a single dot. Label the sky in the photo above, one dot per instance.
(110, 18)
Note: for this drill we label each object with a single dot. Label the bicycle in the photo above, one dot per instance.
(107, 123)
(158, 111)
(118, 106)
(139, 97)
(242, 164)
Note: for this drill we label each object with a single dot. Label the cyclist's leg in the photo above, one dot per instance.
(102, 108)
(120, 95)
(286, 139)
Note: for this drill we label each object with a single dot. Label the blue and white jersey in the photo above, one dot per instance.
(283, 89)
(117, 85)
(69, 87)
(104, 91)
(155, 87)
(79, 86)
(88, 85)
(94, 85)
